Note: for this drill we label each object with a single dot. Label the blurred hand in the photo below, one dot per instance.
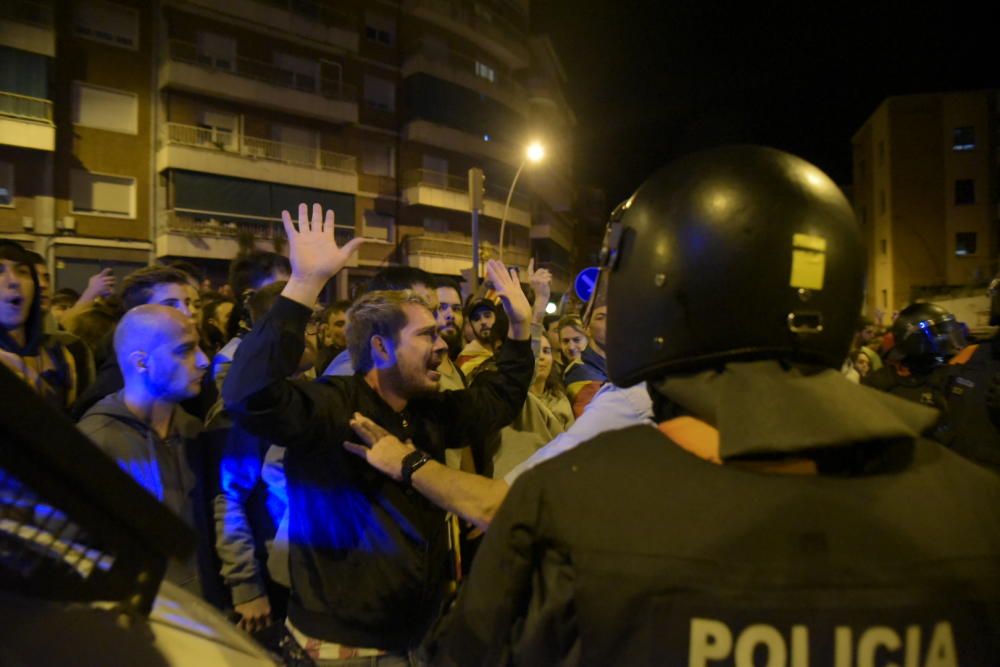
(381, 449)
(313, 250)
(99, 285)
(541, 282)
(255, 615)
(508, 288)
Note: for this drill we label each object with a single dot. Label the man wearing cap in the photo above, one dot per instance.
(482, 315)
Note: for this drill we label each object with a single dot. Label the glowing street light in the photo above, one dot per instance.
(534, 153)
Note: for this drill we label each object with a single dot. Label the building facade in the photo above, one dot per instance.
(136, 131)
(925, 175)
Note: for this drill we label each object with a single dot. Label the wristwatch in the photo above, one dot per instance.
(411, 463)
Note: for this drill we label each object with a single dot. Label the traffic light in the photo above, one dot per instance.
(477, 188)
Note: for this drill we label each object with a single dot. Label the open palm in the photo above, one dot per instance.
(312, 248)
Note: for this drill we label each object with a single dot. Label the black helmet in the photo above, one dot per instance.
(740, 252)
(927, 330)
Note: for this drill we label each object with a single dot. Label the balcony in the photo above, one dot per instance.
(448, 254)
(442, 136)
(214, 235)
(26, 122)
(26, 25)
(462, 71)
(258, 83)
(422, 187)
(216, 151)
(486, 29)
(313, 20)
(555, 228)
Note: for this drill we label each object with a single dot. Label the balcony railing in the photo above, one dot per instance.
(313, 10)
(253, 147)
(27, 11)
(460, 247)
(231, 225)
(22, 106)
(462, 64)
(495, 27)
(460, 184)
(266, 72)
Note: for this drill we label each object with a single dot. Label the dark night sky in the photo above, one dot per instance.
(653, 80)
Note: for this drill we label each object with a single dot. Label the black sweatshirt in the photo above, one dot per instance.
(368, 556)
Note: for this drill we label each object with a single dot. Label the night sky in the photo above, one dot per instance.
(653, 80)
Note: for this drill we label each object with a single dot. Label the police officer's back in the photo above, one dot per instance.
(780, 515)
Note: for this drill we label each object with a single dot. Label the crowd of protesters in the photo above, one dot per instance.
(252, 411)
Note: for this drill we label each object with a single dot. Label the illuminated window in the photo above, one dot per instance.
(964, 139)
(965, 191)
(102, 194)
(486, 72)
(965, 243)
(108, 23)
(105, 108)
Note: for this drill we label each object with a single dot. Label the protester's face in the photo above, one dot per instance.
(448, 313)
(17, 289)
(543, 365)
(44, 287)
(419, 352)
(176, 365)
(599, 325)
(483, 320)
(868, 334)
(335, 332)
(174, 295)
(574, 342)
(194, 299)
(862, 364)
(221, 319)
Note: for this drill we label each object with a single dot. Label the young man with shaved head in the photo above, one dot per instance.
(142, 427)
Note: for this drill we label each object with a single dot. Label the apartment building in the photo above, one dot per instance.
(182, 128)
(925, 176)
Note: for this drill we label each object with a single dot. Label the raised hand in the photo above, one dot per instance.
(541, 282)
(313, 253)
(516, 305)
(100, 284)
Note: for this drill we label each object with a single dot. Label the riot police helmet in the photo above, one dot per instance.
(924, 330)
(734, 253)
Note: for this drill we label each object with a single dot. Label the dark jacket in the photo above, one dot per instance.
(368, 556)
(630, 550)
(166, 468)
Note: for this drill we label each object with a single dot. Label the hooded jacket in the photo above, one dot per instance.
(165, 467)
(42, 362)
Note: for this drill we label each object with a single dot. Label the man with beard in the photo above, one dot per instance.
(486, 325)
(368, 557)
(449, 320)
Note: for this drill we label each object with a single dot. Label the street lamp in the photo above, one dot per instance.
(533, 153)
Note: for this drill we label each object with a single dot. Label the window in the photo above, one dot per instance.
(222, 125)
(435, 226)
(486, 72)
(965, 191)
(381, 29)
(884, 246)
(378, 226)
(964, 139)
(380, 93)
(965, 243)
(295, 144)
(435, 171)
(6, 184)
(101, 194)
(378, 159)
(108, 23)
(105, 108)
(304, 72)
(217, 51)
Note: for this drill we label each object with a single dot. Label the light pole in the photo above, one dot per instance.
(533, 153)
